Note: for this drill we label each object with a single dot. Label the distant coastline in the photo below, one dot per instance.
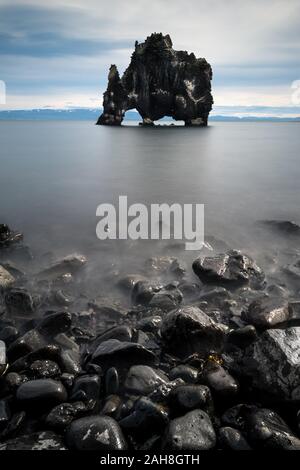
(91, 114)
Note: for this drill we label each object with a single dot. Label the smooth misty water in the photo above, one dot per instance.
(53, 175)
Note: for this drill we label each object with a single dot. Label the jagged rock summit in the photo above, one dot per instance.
(159, 82)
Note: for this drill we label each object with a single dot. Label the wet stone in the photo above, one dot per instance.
(272, 363)
(45, 440)
(267, 312)
(44, 369)
(237, 416)
(124, 354)
(188, 330)
(267, 429)
(220, 382)
(95, 433)
(190, 397)
(41, 392)
(143, 292)
(232, 439)
(146, 419)
(232, 270)
(143, 380)
(62, 415)
(26, 344)
(55, 323)
(112, 406)
(49, 352)
(166, 299)
(187, 373)
(162, 392)
(89, 384)
(191, 432)
(150, 324)
(120, 333)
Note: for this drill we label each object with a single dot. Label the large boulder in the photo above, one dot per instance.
(232, 269)
(267, 312)
(273, 364)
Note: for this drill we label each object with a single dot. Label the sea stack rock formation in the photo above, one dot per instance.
(159, 82)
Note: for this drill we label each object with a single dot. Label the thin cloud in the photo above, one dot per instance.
(253, 46)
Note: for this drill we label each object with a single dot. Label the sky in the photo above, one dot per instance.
(57, 54)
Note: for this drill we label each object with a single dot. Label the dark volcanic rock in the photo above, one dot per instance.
(232, 439)
(41, 392)
(189, 397)
(62, 415)
(220, 382)
(146, 419)
(193, 431)
(143, 291)
(95, 433)
(268, 430)
(8, 237)
(267, 312)
(44, 369)
(112, 352)
(142, 380)
(232, 269)
(273, 363)
(188, 330)
(159, 82)
(55, 323)
(120, 333)
(187, 373)
(89, 384)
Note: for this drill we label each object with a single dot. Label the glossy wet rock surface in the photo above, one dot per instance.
(180, 358)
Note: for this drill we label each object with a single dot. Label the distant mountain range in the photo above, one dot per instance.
(91, 114)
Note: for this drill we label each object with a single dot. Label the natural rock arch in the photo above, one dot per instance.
(159, 82)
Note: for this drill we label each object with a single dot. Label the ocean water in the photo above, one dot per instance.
(53, 175)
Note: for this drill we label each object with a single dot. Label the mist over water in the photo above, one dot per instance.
(53, 175)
